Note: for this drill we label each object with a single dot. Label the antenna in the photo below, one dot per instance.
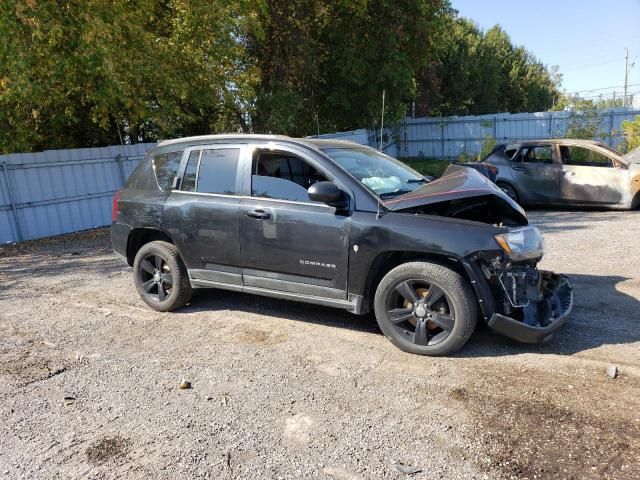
(382, 121)
(380, 149)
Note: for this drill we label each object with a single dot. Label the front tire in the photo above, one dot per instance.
(425, 308)
(161, 277)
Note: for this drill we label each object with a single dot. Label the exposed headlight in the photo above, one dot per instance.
(522, 243)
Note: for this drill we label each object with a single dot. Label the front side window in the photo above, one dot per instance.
(584, 157)
(383, 175)
(539, 154)
(282, 176)
(166, 167)
(212, 171)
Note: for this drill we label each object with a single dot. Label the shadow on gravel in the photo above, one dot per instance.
(602, 315)
(215, 300)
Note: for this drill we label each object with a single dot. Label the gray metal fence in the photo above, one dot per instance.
(61, 191)
(451, 137)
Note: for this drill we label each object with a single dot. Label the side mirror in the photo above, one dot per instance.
(327, 192)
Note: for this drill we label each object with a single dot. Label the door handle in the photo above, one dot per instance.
(518, 169)
(259, 214)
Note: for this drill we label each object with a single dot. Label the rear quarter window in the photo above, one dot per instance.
(166, 166)
(143, 177)
(510, 152)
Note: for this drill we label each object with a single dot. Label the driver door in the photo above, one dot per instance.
(591, 177)
(288, 242)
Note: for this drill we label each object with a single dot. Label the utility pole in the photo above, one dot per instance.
(626, 71)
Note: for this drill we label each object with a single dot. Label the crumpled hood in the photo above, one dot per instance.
(457, 182)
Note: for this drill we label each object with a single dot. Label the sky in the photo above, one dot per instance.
(586, 39)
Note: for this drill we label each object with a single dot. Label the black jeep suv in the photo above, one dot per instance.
(338, 224)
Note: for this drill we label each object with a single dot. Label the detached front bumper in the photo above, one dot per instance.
(542, 318)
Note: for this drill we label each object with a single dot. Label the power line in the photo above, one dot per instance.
(594, 64)
(604, 88)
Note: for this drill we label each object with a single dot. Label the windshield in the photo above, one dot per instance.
(383, 175)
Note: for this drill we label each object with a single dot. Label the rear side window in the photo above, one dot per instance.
(189, 181)
(212, 171)
(537, 154)
(217, 172)
(166, 167)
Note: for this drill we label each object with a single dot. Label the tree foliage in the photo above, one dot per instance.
(483, 72)
(326, 63)
(100, 72)
(77, 74)
(631, 132)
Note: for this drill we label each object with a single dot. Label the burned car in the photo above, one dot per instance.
(567, 172)
(338, 224)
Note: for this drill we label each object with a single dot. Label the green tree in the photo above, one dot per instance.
(331, 61)
(77, 74)
(483, 72)
(631, 132)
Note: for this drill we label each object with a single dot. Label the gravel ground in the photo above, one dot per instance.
(90, 378)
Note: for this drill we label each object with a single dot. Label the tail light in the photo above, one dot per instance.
(114, 210)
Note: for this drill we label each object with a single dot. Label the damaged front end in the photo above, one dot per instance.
(516, 299)
(528, 304)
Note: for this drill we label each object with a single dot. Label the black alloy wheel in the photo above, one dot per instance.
(426, 308)
(156, 278)
(421, 311)
(161, 276)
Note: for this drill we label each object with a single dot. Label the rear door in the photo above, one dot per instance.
(289, 242)
(537, 171)
(589, 176)
(201, 214)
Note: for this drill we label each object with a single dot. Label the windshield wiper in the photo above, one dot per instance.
(394, 194)
(417, 180)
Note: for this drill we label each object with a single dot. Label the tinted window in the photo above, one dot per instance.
(166, 166)
(142, 177)
(540, 154)
(217, 173)
(189, 180)
(283, 176)
(584, 157)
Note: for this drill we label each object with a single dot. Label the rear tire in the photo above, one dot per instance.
(161, 276)
(509, 190)
(425, 308)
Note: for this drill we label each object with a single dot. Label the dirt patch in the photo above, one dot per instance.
(108, 448)
(527, 435)
(258, 337)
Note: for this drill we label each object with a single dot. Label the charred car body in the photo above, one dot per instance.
(567, 172)
(337, 224)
